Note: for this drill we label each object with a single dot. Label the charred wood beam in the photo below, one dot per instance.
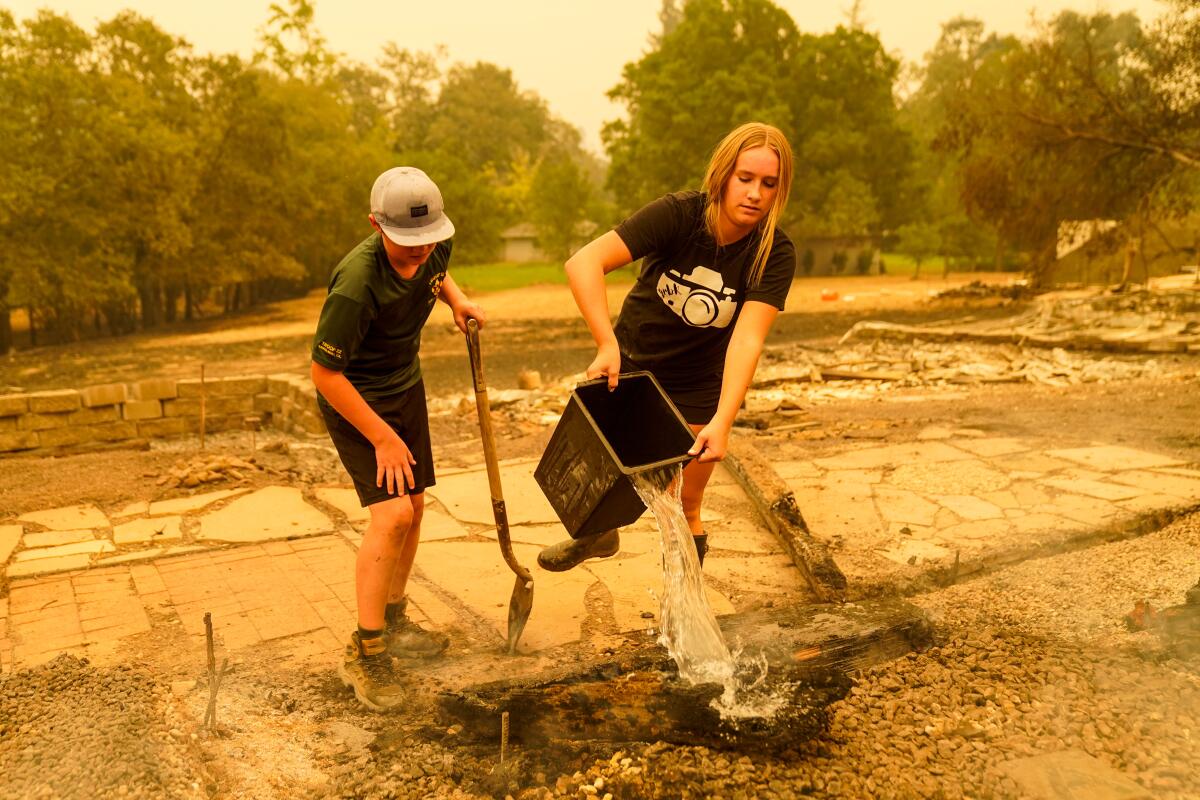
(638, 695)
(777, 506)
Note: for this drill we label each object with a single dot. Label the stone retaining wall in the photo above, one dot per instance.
(155, 408)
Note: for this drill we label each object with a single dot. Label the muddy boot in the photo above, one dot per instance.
(367, 669)
(564, 555)
(407, 639)
(701, 540)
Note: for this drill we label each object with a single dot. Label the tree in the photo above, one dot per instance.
(669, 16)
(950, 75)
(918, 241)
(148, 130)
(494, 150)
(137, 175)
(730, 61)
(1094, 117)
(292, 43)
(558, 201)
(723, 64)
(54, 257)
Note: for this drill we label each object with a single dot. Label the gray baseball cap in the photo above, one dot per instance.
(408, 206)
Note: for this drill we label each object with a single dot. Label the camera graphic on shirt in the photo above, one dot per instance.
(699, 297)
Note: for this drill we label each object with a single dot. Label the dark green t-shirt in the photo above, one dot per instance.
(370, 325)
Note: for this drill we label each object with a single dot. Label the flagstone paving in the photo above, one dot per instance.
(277, 563)
(954, 495)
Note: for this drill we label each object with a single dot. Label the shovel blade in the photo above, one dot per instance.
(519, 606)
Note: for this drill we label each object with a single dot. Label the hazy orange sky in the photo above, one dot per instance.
(568, 51)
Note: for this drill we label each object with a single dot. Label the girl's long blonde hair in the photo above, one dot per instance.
(720, 168)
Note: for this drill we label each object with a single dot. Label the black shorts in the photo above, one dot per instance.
(408, 415)
(696, 401)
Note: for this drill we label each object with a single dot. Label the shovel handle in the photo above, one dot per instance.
(484, 411)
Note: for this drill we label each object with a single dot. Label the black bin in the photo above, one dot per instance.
(602, 439)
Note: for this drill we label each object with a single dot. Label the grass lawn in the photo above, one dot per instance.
(508, 275)
(897, 264)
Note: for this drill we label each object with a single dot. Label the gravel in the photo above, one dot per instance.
(70, 730)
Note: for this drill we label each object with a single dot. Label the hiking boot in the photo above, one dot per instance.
(701, 540)
(407, 639)
(564, 555)
(370, 674)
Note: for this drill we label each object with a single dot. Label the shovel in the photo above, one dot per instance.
(521, 602)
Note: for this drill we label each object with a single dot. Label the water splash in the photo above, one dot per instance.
(688, 629)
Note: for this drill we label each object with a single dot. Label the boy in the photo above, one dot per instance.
(368, 376)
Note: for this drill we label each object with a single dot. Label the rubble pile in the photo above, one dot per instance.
(869, 369)
(1161, 319)
(978, 290)
(790, 379)
(1126, 314)
(209, 469)
(535, 407)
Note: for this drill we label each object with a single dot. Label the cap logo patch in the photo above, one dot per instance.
(419, 211)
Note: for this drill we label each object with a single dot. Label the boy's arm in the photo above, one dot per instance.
(462, 307)
(393, 459)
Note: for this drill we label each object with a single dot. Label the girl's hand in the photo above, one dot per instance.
(607, 363)
(467, 311)
(711, 442)
(393, 463)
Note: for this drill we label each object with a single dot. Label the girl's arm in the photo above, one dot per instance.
(585, 274)
(745, 346)
(393, 459)
(462, 307)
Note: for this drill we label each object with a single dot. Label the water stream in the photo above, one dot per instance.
(689, 630)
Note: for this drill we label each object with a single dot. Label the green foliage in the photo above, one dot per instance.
(918, 241)
(494, 150)
(722, 64)
(1093, 117)
(726, 62)
(505, 275)
(202, 181)
(560, 196)
(902, 264)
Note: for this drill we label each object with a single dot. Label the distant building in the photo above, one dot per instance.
(1105, 252)
(520, 242)
(1075, 233)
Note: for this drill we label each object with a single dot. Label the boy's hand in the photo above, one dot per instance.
(711, 442)
(607, 363)
(393, 462)
(467, 311)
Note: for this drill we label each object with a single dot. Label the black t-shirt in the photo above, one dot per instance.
(678, 318)
(370, 326)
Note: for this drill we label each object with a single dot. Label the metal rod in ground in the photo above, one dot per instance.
(210, 712)
(203, 398)
(503, 736)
